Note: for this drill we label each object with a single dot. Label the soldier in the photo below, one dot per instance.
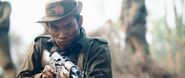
(68, 38)
(5, 58)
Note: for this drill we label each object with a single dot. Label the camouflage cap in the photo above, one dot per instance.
(58, 9)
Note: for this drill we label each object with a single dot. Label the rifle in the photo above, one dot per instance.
(56, 61)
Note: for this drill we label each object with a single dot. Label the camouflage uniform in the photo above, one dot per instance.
(90, 54)
(5, 58)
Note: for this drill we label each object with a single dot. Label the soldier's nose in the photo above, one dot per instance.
(62, 35)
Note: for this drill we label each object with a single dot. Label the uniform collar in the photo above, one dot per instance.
(83, 39)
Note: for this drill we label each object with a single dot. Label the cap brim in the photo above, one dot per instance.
(75, 11)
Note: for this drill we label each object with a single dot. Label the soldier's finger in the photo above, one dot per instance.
(47, 72)
(64, 73)
(44, 76)
(50, 69)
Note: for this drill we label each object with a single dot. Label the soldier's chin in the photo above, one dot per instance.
(64, 48)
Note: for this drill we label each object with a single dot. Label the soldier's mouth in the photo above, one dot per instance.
(62, 43)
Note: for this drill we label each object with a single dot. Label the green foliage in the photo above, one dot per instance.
(157, 45)
(180, 30)
(168, 44)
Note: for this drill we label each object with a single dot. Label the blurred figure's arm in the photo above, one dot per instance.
(5, 10)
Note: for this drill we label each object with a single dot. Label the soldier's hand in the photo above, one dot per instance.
(48, 72)
(64, 73)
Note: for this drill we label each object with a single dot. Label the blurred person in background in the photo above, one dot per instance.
(68, 38)
(5, 56)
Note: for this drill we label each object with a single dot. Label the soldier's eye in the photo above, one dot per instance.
(54, 28)
(69, 26)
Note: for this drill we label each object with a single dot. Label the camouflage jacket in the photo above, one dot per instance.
(96, 61)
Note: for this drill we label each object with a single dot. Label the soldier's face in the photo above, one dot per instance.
(65, 31)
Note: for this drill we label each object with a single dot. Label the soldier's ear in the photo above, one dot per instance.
(80, 21)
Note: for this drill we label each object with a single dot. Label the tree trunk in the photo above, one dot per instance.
(180, 40)
(133, 18)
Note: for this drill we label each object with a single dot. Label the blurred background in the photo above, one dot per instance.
(146, 37)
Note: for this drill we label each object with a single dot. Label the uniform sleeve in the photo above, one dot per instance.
(31, 66)
(99, 63)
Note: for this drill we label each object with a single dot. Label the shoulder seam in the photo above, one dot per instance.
(101, 40)
(42, 36)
